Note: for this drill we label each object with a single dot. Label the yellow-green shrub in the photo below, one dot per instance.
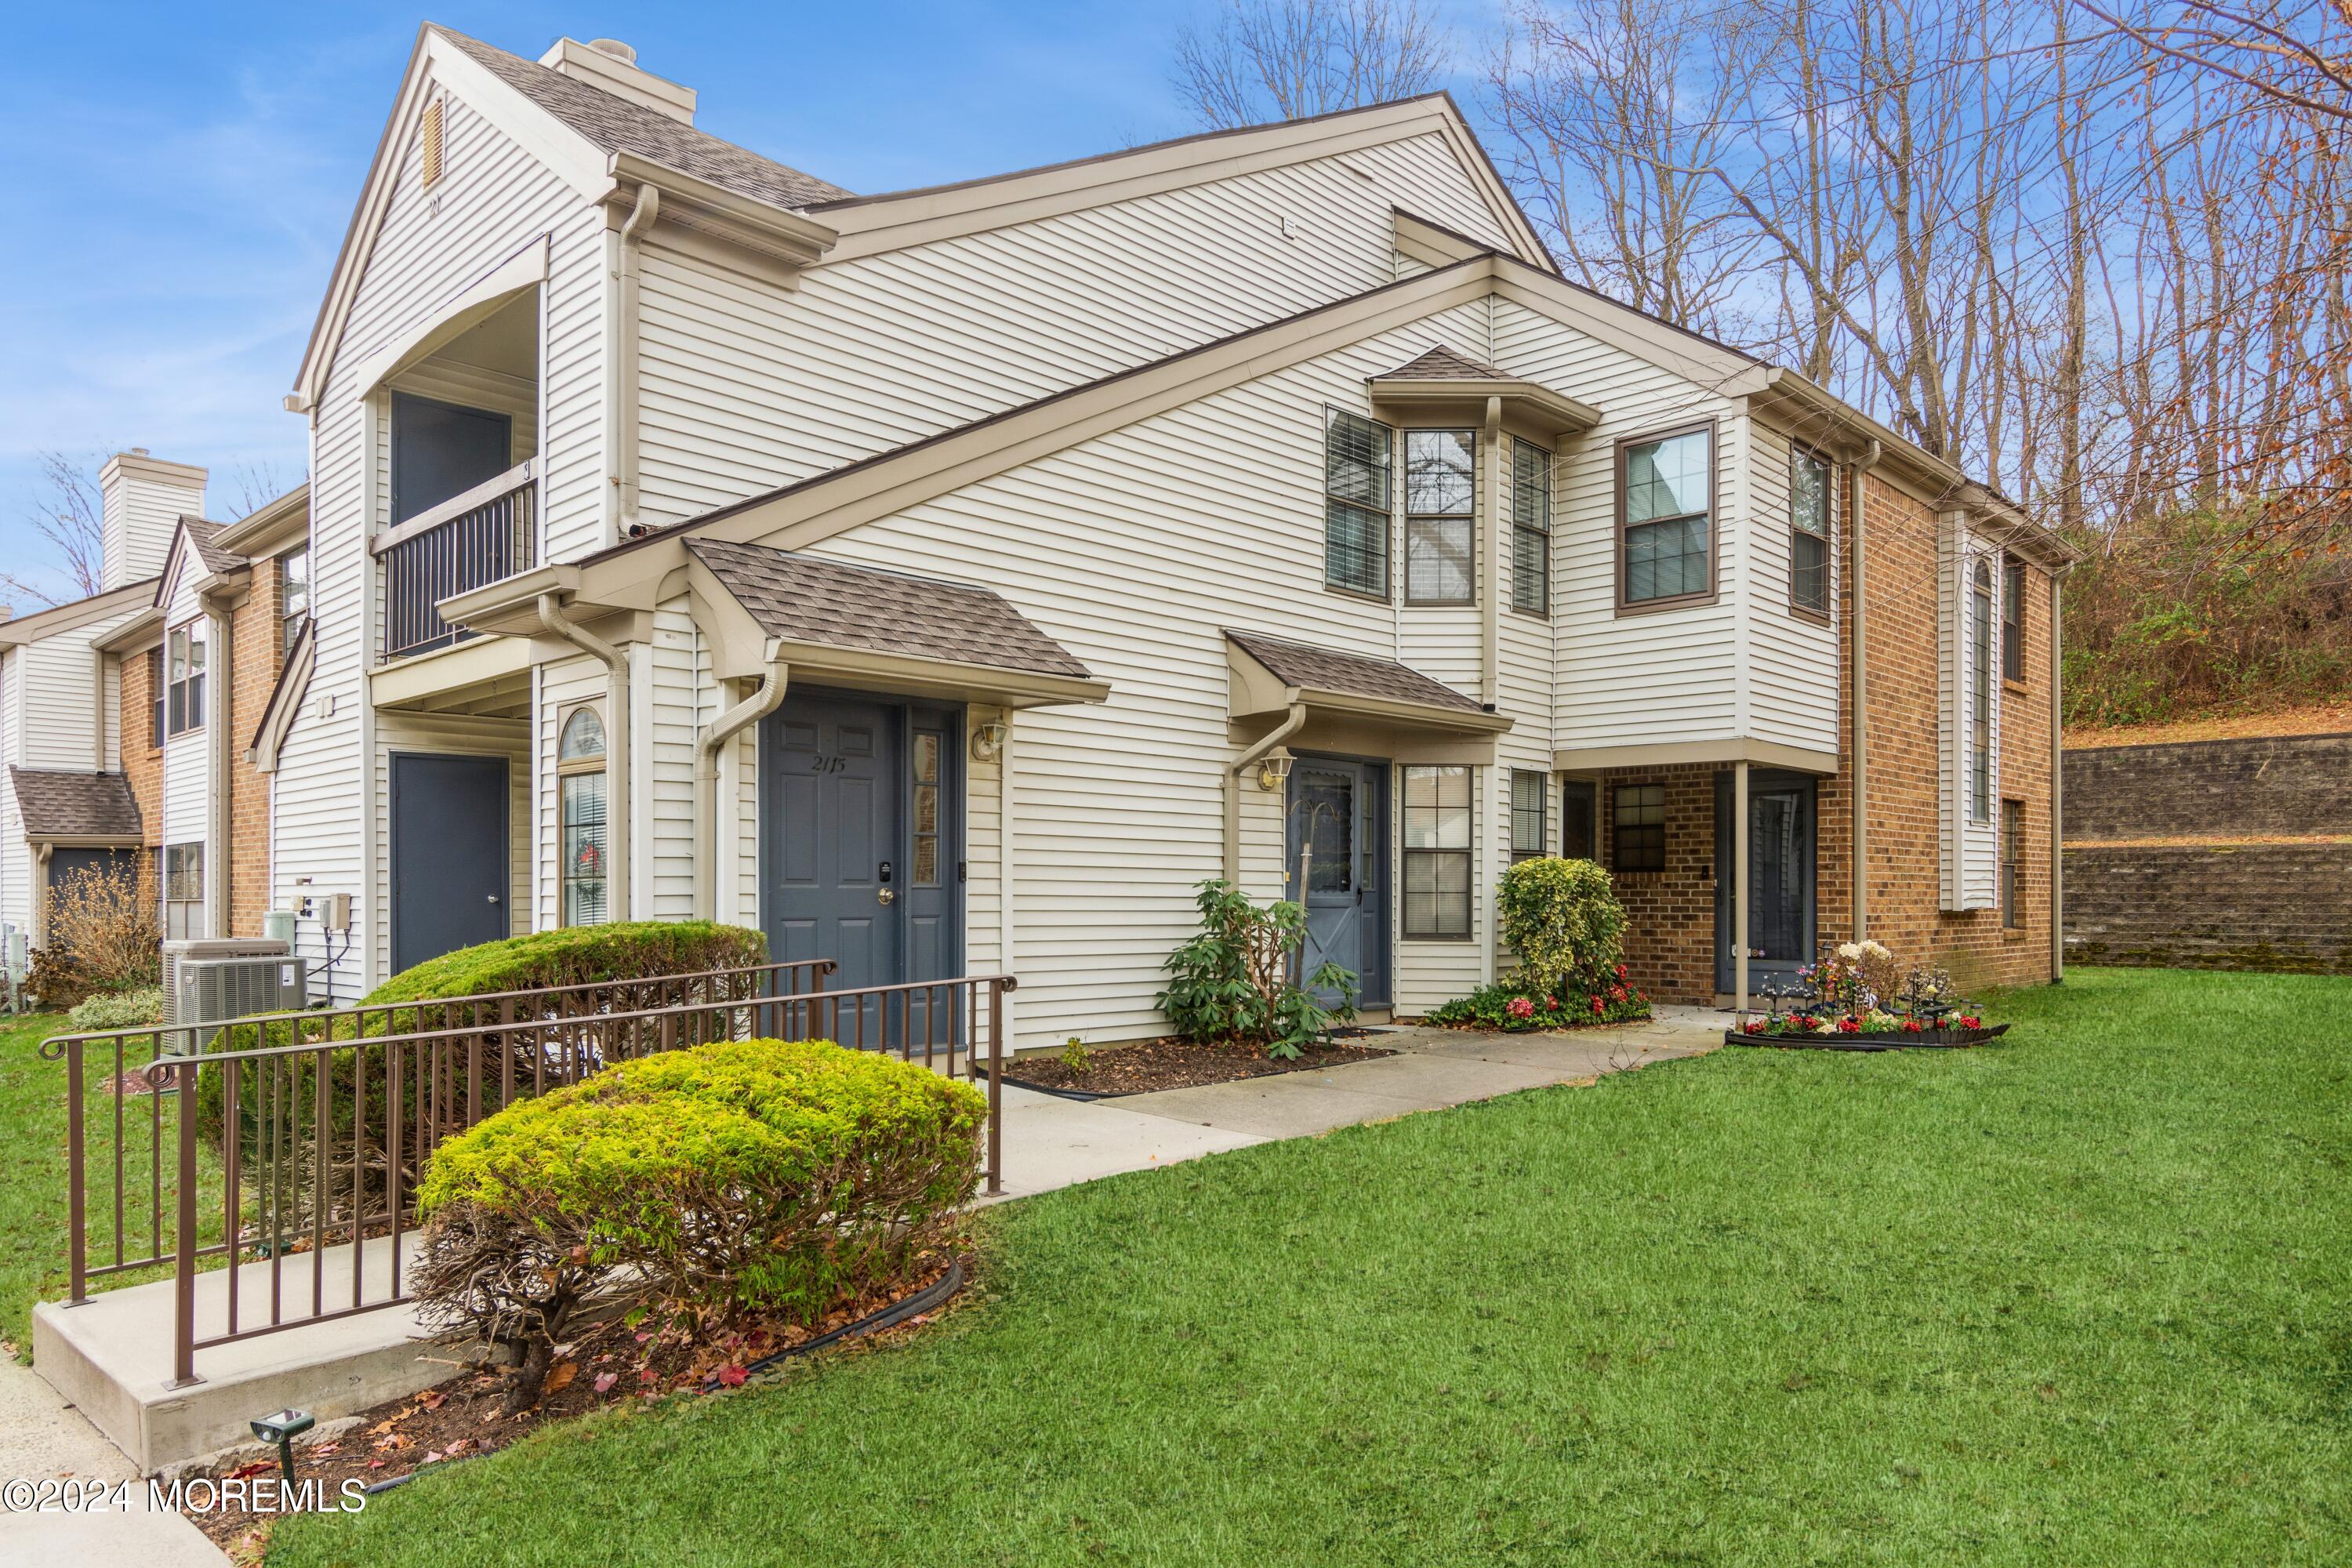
(1562, 918)
(778, 1176)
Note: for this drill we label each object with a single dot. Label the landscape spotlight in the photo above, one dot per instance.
(282, 1428)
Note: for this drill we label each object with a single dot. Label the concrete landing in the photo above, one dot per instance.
(111, 1357)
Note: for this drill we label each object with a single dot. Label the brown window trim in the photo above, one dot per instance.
(1714, 517)
(1817, 617)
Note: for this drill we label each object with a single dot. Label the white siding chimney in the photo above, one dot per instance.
(612, 65)
(143, 499)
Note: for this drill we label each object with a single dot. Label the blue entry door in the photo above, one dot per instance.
(1335, 864)
(833, 804)
(449, 861)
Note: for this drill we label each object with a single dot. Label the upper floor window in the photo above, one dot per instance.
(1810, 488)
(580, 783)
(293, 595)
(184, 679)
(1530, 528)
(1665, 504)
(1439, 499)
(2012, 620)
(1980, 695)
(1527, 790)
(1358, 455)
(155, 692)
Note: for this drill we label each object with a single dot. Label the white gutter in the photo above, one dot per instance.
(1854, 472)
(1290, 725)
(616, 751)
(763, 702)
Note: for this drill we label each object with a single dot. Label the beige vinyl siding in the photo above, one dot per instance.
(188, 759)
(492, 201)
(744, 385)
(58, 698)
(451, 734)
(1970, 850)
(1792, 662)
(1667, 676)
(671, 666)
(561, 684)
(16, 856)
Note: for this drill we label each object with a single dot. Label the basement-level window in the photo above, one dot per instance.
(580, 780)
(1637, 828)
(1440, 497)
(183, 891)
(1357, 462)
(184, 679)
(1809, 488)
(1530, 528)
(1437, 852)
(1980, 695)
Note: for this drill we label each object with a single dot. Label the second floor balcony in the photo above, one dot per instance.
(474, 538)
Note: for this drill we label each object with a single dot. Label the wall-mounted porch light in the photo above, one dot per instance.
(988, 740)
(1273, 769)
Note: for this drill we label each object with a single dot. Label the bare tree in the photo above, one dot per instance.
(1285, 59)
(69, 515)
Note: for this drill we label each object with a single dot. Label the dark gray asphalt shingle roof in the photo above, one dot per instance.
(1350, 674)
(1441, 363)
(805, 599)
(617, 125)
(55, 803)
(201, 535)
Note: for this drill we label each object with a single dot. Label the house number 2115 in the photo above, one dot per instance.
(821, 763)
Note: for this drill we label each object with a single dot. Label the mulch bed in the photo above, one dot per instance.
(605, 1364)
(1172, 1063)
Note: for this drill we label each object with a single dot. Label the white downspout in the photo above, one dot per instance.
(1855, 472)
(1290, 726)
(763, 702)
(625, 371)
(616, 748)
(1740, 849)
(219, 853)
(2057, 792)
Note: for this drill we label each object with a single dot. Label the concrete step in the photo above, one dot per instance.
(111, 1357)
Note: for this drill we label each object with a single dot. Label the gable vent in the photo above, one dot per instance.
(432, 156)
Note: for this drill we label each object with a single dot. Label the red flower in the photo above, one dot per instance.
(1597, 1006)
(1756, 1026)
(1849, 1024)
(1911, 1025)
(1971, 1021)
(1621, 971)
(1552, 1003)
(1519, 1008)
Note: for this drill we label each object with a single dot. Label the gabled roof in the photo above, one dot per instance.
(56, 803)
(204, 536)
(1312, 668)
(806, 599)
(20, 630)
(617, 125)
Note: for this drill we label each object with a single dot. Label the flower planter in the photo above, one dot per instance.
(1952, 1039)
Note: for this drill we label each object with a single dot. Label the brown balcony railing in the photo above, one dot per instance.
(488, 533)
(293, 1155)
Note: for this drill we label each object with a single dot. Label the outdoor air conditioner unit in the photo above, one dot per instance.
(210, 980)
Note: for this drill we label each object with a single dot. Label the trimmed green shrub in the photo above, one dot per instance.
(1563, 920)
(131, 1009)
(769, 1176)
(1232, 981)
(576, 955)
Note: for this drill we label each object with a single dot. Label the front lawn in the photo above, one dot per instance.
(2080, 1297)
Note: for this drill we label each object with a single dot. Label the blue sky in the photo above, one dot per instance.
(183, 174)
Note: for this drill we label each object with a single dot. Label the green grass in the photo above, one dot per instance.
(33, 1189)
(2080, 1299)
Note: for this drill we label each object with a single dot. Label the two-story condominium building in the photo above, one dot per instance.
(949, 580)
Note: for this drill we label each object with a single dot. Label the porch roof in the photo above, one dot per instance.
(1267, 674)
(59, 803)
(833, 618)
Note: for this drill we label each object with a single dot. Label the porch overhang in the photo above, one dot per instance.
(1695, 753)
(755, 603)
(487, 676)
(1354, 703)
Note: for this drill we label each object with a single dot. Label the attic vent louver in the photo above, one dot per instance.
(432, 139)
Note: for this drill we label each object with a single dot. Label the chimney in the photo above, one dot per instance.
(143, 499)
(612, 65)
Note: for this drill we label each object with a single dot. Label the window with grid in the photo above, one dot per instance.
(1665, 495)
(1528, 789)
(580, 789)
(1809, 488)
(1437, 852)
(1637, 828)
(1441, 494)
(184, 679)
(2012, 835)
(1980, 694)
(183, 891)
(1530, 528)
(2012, 620)
(1358, 455)
(155, 691)
(293, 595)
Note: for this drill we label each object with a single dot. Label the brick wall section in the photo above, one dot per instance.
(2285, 784)
(142, 760)
(255, 646)
(2282, 907)
(1669, 914)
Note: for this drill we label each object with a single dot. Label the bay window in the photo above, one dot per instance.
(1439, 499)
(1665, 506)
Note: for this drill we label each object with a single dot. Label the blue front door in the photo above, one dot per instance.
(1338, 855)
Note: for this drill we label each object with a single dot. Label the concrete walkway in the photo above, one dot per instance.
(43, 1437)
(1052, 1142)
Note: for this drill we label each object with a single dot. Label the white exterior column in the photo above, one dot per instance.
(1739, 851)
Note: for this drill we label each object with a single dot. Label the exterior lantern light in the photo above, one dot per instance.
(1273, 769)
(282, 1428)
(987, 741)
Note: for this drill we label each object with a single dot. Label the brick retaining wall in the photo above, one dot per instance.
(2283, 784)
